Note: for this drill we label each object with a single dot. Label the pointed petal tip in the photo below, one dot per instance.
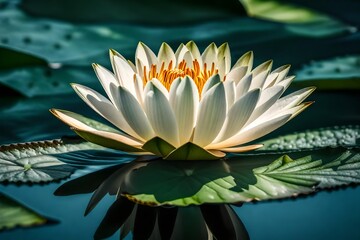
(113, 52)
(56, 112)
(53, 111)
(302, 106)
(313, 88)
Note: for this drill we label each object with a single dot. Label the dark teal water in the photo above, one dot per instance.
(334, 215)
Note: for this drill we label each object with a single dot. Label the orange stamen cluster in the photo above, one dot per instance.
(167, 75)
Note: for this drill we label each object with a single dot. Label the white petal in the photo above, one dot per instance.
(192, 47)
(173, 88)
(221, 65)
(211, 115)
(212, 81)
(112, 54)
(133, 112)
(267, 99)
(224, 54)
(187, 57)
(250, 134)
(291, 100)
(106, 78)
(271, 115)
(161, 87)
(179, 54)
(266, 66)
(282, 71)
(184, 100)
(236, 74)
(132, 65)
(294, 111)
(271, 80)
(243, 86)
(230, 93)
(139, 89)
(270, 95)
(160, 114)
(245, 60)
(104, 108)
(146, 55)
(67, 118)
(238, 115)
(166, 55)
(258, 80)
(286, 82)
(209, 56)
(125, 74)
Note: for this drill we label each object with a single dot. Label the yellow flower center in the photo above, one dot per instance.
(167, 75)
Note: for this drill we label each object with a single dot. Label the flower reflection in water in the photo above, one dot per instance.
(207, 221)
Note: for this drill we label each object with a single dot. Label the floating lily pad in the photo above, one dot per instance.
(243, 178)
(36, 161)
(337, 73)
(323, 137)
(14, 214)
(237, 179)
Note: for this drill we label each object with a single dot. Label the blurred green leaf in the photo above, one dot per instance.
(336, 73)
(37, 161)
(13, 214)
(282, 11)
(299, 20)
(319, 138)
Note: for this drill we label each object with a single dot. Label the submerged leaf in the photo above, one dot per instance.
(36, 162)
(13, 214)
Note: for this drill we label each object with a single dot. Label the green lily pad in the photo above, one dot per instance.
(37, 161)
(256, 177)
(14, 214)
(336, 73)
(45, 81)
(323, 137)
(242, 178)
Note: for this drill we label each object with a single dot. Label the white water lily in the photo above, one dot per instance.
(185, 105)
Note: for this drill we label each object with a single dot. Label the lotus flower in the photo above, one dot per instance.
(186, 105)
